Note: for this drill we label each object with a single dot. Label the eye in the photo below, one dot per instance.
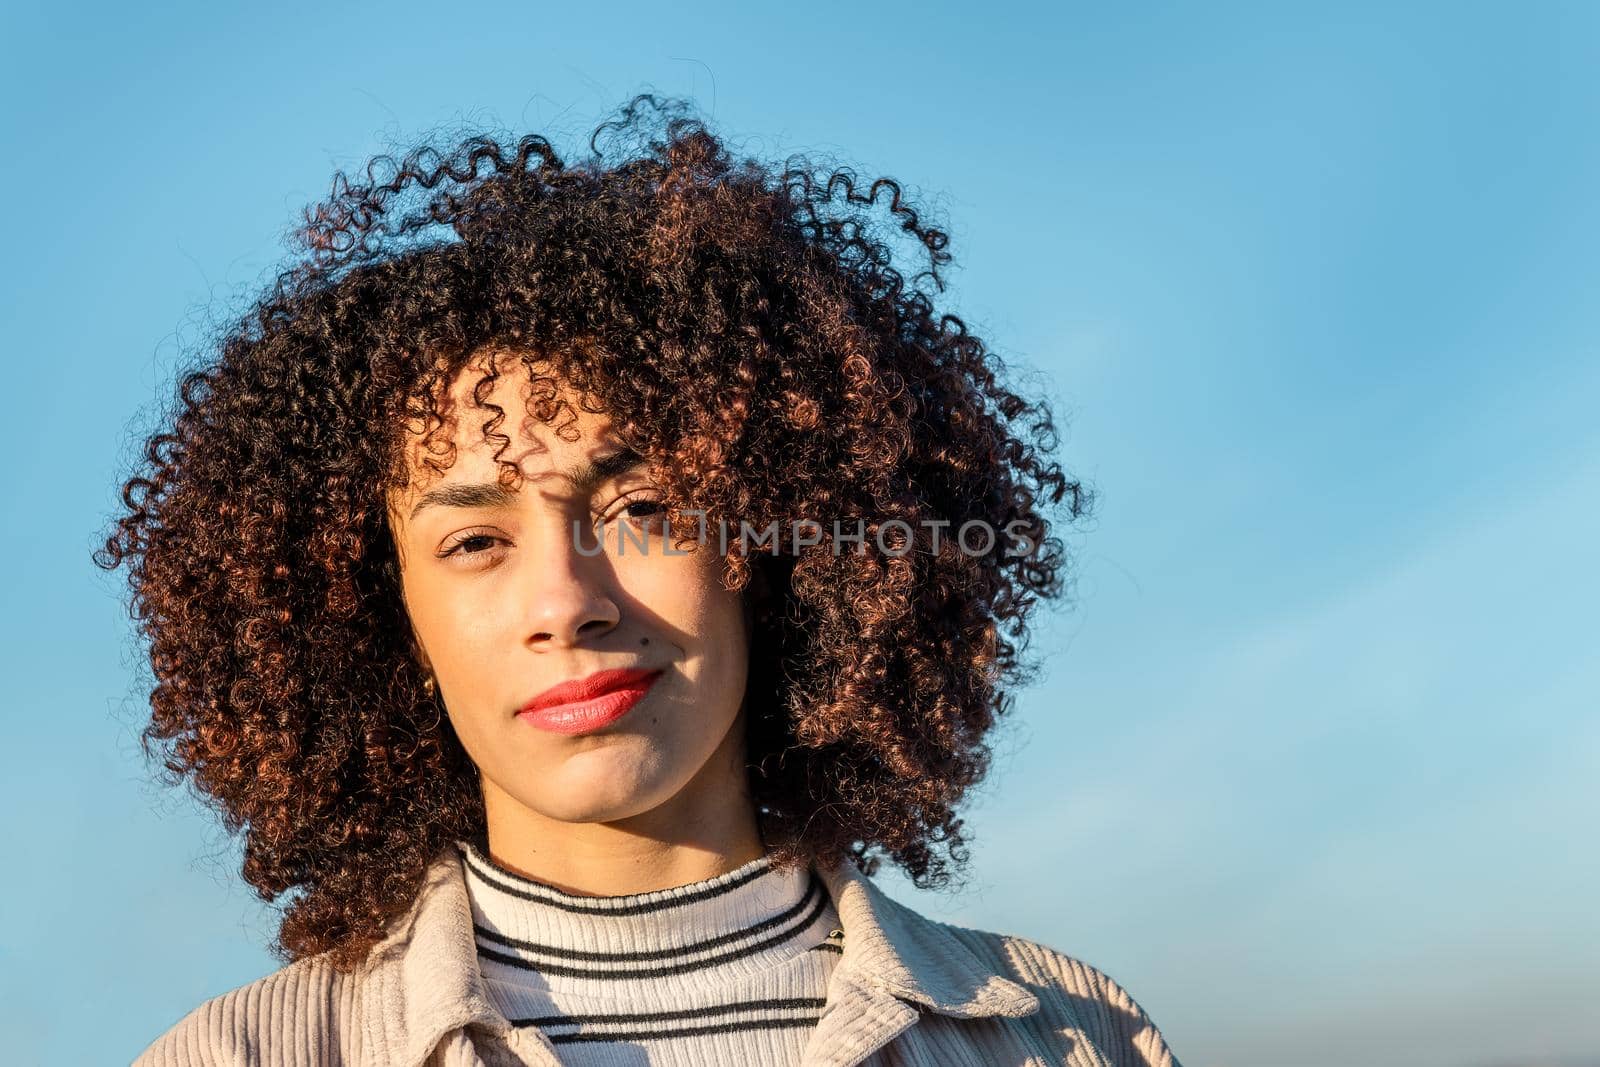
(642, 509)
(471, 545)
(645, 513)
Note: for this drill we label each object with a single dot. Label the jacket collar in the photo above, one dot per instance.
(895, 948)
(421, 981)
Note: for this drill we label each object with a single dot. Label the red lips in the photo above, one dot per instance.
(588, 704)
(581, 689)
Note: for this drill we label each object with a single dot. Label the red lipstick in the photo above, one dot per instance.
(585, 704)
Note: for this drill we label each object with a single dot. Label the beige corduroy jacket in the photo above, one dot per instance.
(907, 991)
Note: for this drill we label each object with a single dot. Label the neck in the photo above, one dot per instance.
(700, 833)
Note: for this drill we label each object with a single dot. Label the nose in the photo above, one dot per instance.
(568, 594)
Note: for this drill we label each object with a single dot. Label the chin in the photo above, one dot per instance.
(598, 797)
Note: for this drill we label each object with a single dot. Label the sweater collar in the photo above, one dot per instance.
(421, 982)
(537, 942)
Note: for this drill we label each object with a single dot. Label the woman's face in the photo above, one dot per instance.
(506, 601)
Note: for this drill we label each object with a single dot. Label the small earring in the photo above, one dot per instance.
(429, 685)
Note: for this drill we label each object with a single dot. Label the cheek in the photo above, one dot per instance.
(686, 595)
(449, 619)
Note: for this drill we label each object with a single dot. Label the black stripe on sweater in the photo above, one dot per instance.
(499, 940)
(654, 972)
(740, 1016)
(556, 898)
(635, 1037)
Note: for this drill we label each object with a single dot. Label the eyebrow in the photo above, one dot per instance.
(583, 477)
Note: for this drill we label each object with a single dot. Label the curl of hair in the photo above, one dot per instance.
(747, 327)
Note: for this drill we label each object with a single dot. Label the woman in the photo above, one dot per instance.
(567, 578)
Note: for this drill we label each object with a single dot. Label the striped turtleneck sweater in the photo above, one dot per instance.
(724, 972)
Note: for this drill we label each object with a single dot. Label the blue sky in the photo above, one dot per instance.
(1313, 768)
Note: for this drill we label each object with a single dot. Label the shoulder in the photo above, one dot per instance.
(299, 1015)
(1073, 995)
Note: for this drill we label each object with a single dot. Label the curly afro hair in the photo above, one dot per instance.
(746, 325)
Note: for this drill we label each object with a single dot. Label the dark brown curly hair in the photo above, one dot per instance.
(744, 325)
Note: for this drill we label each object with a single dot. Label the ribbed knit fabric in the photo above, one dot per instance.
(724, 972)
(905, 992)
